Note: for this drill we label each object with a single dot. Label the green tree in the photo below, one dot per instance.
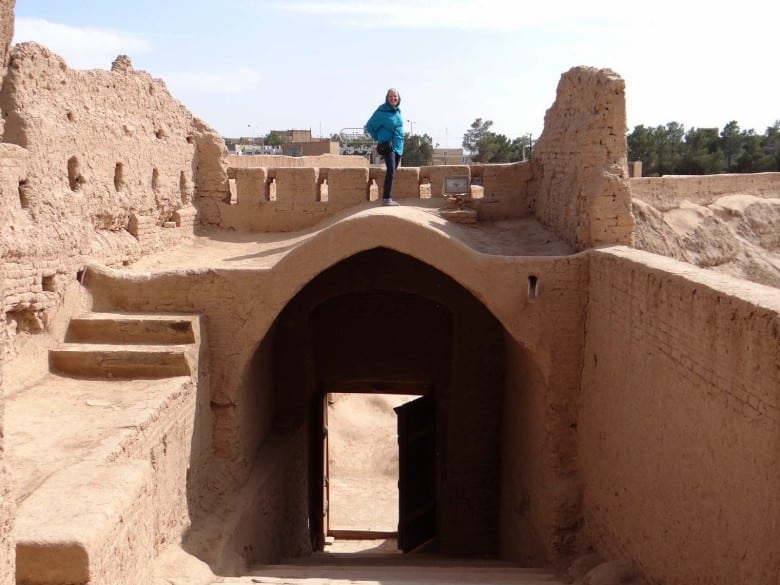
(669, 142)
(771, 147)
(523, 147)
(708, 151)
(641, 146)
(701, 153)
(473, 135)
(496, 148)
(731, 140)
(418, 151)
(276, 139)
(750, 158)
(660, 149)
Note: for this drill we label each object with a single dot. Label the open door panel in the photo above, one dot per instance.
(416, 473)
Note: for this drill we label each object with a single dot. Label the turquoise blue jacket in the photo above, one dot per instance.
(386, 123)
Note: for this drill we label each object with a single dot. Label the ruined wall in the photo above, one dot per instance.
(7, 509)
(728, 223)
(679, 424)
(580, 180)
(665, 193)
(111, 166)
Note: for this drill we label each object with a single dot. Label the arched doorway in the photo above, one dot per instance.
(381, 321)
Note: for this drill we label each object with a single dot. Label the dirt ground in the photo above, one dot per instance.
(363, 461)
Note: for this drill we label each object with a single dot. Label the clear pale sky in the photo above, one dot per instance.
(250, 66)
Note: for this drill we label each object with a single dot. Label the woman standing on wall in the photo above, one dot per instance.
(386, 126)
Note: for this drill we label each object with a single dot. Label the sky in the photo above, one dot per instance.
(247, 67)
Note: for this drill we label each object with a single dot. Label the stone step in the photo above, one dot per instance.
(81, 517)
(399, 573)
(134, 329)
(99, 360)
(100, 475)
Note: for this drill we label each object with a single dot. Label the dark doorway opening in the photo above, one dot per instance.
(382, 322)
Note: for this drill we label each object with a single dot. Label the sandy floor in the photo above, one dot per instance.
(62, 421)
(363, 461)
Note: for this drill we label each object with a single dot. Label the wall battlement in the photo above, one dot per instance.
(289, 198)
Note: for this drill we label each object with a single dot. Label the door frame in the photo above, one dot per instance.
(318, 501)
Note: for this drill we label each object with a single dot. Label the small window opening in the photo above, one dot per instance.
(272, 190)
(477, 187)
(48, 283)
(75, 179)
(323, 191)
(24, 198)
(80, 276)
(425, 188)
(533, 287)
(119, 176)
(155, 180)
(185, 191)
(232, 197)
(373, 190)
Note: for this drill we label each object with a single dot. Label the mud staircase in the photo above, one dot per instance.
(106, 449)
(106, 345)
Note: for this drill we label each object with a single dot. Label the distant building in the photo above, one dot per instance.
(295, 135)
(448, 156)
(313, 148)
(301, 143)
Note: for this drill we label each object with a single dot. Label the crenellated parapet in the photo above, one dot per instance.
(287, 198)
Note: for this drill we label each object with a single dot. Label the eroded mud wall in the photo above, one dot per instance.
(106, 167)
(679, 423)
(7, 564)
(580, 168)
(728, 223)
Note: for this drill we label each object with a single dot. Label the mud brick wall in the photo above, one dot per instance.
(11, 166)
(296, 186)
(679, 420)
(505, 190)
(279, 161)
(349, 186)
(271, 199)
(406, 182)
(540, 487)
(580, 180)
(665, 193)
(435, 176)
(112, 168)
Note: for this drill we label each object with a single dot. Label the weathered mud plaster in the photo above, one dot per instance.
(584, 395)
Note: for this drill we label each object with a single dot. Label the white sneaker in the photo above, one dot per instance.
(389, 202)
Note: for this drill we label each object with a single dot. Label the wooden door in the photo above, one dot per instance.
(416, 473)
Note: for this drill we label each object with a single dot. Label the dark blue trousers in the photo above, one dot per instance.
(392, 162)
